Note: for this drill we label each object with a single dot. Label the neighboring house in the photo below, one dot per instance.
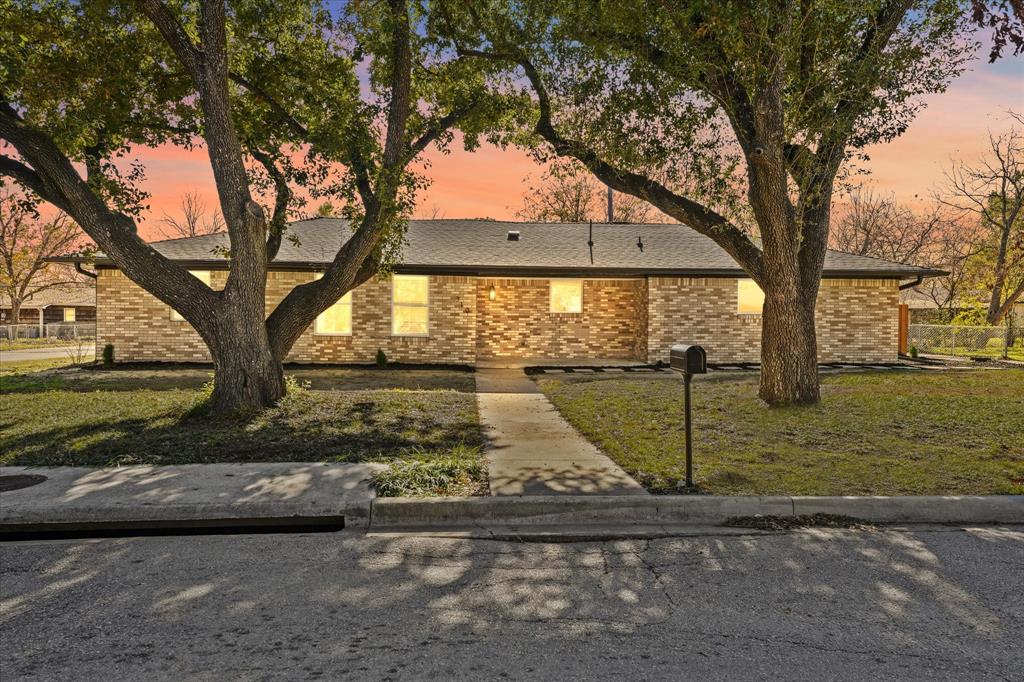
(70, 303)
(472, 291)
(924, 310)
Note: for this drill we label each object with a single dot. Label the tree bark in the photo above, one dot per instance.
(246, 375)
(789, 347)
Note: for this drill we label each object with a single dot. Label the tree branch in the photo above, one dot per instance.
(691, 213)
(439, 127)
(282, 197)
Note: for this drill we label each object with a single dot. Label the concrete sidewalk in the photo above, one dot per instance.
(208, 493)
(533, 451)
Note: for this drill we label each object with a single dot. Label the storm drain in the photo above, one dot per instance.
(19, 481)
(236, 526)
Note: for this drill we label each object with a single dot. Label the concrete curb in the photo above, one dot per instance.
(193, 496)
(449, 512)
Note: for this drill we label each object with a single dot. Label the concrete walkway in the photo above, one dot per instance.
(533, 451)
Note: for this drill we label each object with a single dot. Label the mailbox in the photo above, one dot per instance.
(688, 359)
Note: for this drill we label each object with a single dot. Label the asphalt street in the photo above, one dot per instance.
(933, 603)
(47, 353)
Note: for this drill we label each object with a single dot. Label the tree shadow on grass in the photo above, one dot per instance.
(190, 377)
(310, 427)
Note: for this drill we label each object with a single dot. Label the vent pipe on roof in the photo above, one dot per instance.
(590, 241)
(513, 236)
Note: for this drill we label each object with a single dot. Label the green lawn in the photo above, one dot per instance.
(875, 433)
(1015, 352)
(423, 421)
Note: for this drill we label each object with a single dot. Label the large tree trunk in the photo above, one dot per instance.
(246, 375)
(789, 348)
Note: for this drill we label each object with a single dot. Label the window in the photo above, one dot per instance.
(409, 298)
(69, 314)
(566, 296)
(750, 298)
(204, 277)
(336, 320)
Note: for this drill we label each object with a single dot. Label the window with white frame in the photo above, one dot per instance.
(69, 314)
(204, 277)
(410, 298)
(336, 320)
(749, 297)
(566, 296)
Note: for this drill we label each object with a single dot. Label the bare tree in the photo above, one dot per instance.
(26, 241)
(953, 252)
(568, 193)
(193, 221)
(992, 190)
(875, 225)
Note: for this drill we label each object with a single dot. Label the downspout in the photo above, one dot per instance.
(42, 327)
(81, 270)
(911, 285)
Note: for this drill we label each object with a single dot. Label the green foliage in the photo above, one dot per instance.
(971, 315)
(462, 472)
(108, 355)
(913, 351)
(310, 88)
(648, 85)
(382, 358)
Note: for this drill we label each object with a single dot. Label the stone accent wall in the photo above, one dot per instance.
(857, 320)
(518, 324)
(140, 326)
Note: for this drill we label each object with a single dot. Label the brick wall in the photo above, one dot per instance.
(857, 320)
(518, 324)
(141, 328)
(452, 317)
(626, 319)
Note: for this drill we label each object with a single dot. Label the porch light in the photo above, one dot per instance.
(491, 293)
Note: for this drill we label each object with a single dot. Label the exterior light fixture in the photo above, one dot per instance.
(491, 293)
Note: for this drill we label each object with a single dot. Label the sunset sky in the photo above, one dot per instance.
(490, 182)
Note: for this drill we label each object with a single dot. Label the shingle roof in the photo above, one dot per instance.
(68, 295)
(482, 247)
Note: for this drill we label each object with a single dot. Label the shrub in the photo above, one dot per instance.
(913, 351)
(382, 358)
(108, 355)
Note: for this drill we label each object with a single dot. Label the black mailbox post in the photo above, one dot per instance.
(688, 360)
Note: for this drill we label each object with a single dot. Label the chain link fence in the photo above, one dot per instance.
(56, 331)
(944, 339)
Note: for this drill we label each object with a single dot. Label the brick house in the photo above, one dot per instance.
(59, 305)
(476, 291)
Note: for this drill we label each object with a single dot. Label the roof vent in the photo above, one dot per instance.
(513, 235)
